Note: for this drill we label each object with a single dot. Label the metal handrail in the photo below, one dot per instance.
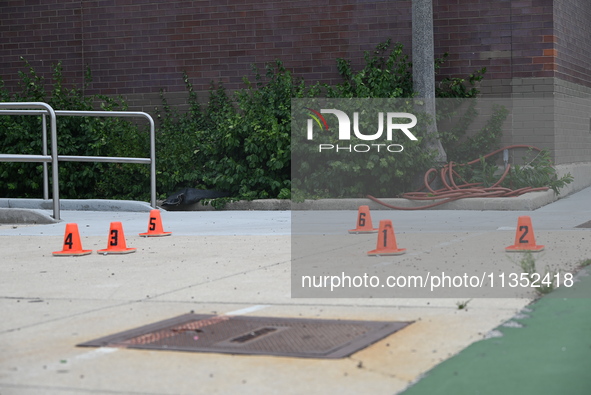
(43, 114)
(129, 114)
(54, 158)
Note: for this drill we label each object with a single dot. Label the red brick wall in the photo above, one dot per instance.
(142, 46)
(511, 39)
(136, 47)
(572, 25)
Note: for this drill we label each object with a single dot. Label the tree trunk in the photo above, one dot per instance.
(423, 70)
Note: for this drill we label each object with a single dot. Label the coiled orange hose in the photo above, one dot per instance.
(452, 191)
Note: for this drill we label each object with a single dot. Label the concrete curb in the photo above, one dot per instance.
(78, 205)
(24, 216)
(527, 202)
(38, 211)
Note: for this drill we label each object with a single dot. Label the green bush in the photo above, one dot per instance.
(239, 143)
(340, 174)
(461, 148)
(387, 73)
(82, 136)
(538, 171)
(249, 150)
(241, 146)
(180, 135)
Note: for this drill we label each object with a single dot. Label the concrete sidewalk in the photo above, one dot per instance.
(239, 262)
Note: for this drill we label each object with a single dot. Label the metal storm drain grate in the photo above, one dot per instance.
(306, 338)
(585, 225)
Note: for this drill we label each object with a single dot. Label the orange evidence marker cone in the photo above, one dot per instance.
(363, 221)
(72, 244)
(116, 244)
(155, 228)
(386, 241)
(524, 237)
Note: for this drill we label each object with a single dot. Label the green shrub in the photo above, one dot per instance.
(538, 171)
(180, 135)
(239, 143)
(82, 136)
(340, 174)
(387, 73)
(241, 146)
(249, 150)
(457, 88)
(462, 149)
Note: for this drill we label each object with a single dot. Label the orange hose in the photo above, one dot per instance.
(452, 191)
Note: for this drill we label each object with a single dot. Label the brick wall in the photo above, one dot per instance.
(136, 48)
(510, 38)
(572, 26)
(476, 34)
(142, 46)
(572, 30)
(572, 89)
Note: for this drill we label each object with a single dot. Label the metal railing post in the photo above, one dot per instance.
(40, 158)
(152, 162)
(130, 114)
(55, 158)
(45, 174)
(54, 165)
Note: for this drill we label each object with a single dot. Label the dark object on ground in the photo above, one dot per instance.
(189, 196)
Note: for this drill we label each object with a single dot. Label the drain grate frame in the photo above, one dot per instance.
(250, 335)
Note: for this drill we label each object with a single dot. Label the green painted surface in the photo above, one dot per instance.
(550, 354)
